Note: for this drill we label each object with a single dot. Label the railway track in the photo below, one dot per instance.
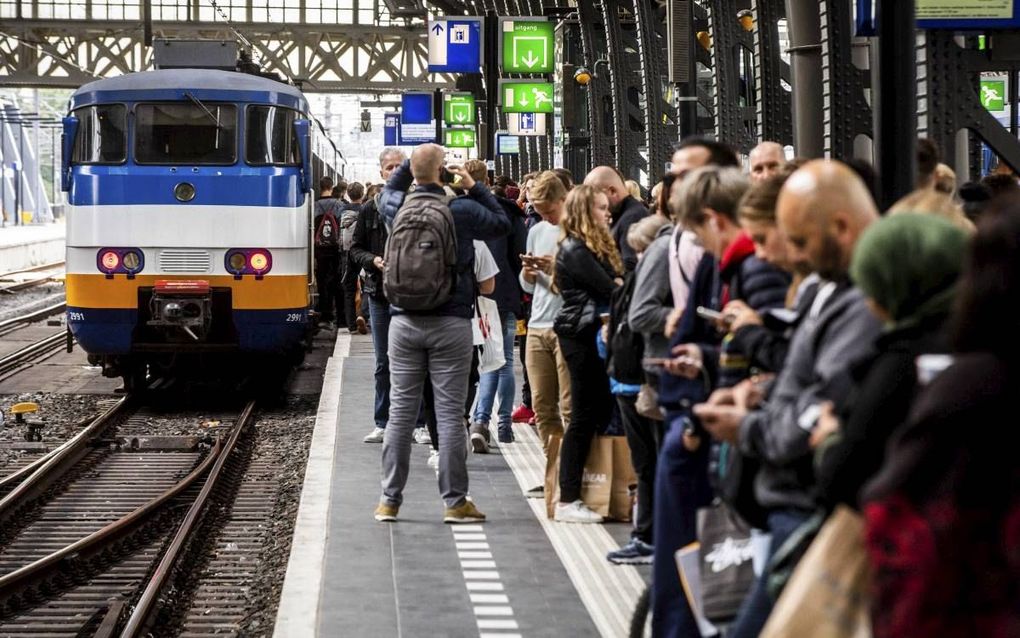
(92, 534)
(22, 320)
(28, 283)
(32, 353)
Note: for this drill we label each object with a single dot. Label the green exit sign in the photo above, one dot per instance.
(993, 95)
(526, 97)
(527, 45)
(458, 108)
(459, 138)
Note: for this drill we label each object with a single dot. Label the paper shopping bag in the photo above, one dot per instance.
(621, 505)
(827, 596)
(597, 480)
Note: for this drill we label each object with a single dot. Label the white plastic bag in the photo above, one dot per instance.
(487, 332)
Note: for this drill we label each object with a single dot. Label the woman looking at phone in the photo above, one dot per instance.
(587, 269)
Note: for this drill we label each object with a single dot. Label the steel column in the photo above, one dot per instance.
(806, 76)
(895, 100)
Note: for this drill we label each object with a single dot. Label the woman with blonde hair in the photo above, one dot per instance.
(588, 269)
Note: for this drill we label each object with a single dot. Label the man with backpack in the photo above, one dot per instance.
(427, 278)
(326, 251)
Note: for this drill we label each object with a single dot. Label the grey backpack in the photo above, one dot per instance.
(421, 254)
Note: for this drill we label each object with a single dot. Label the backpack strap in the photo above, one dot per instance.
(676, 255)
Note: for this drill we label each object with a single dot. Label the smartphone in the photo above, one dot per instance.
(445, 176)
(709, 314)
(653, 362)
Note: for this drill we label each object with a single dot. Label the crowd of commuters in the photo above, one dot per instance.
(800, 350)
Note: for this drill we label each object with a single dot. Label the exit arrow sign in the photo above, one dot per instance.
(527, 45)
(458, 108)
(526, 97)
(459, 138)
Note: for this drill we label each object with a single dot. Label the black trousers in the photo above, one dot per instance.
(591, 406)
(327, 275)
(349, 290)
(643, 438)
(526, 386)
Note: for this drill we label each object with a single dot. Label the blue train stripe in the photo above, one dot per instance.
(214, 185)
(108, 331)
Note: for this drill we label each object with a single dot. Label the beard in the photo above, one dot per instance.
(830, 260)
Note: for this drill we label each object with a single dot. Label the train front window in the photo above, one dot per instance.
(100, 138)
(186, 133)
(269, 136)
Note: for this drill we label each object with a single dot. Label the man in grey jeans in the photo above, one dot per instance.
(436, 341)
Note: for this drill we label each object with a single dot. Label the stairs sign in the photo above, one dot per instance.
(527, 45)
(455, 45)
(458, 109)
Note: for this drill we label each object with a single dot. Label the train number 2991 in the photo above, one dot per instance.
(293, 317)
(75, 316)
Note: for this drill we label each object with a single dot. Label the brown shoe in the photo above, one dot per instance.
(362, 326)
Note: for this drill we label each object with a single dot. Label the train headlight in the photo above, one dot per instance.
(248, 261)
(236, 263)
(184, 192)
(109, 260)
(259, 261)
(132, 261)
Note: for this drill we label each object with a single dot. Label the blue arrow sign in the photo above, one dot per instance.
(455, 45)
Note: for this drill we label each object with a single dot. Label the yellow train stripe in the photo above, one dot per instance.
(272, 293)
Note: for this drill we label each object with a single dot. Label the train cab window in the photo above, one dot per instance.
(186, 133)
(269, 136)
(100, 138)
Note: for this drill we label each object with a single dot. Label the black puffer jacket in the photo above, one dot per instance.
(369, 241)
(759, 284)
(507, 252)
(585, 283)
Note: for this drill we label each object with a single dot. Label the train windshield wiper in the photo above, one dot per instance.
(202, 106)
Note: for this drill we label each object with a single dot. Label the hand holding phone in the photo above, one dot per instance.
(653, 362)
(722, 320)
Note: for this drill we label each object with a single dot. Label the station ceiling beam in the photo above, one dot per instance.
(324, 58)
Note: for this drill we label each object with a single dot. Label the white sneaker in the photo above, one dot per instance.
(433, 461)
(576, 512)
(421, 435)
(375, 436)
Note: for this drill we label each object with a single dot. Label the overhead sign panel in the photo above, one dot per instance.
(416, 108)
(527, 45)
(507, 144)
(391, 129)
(526, 97)
(967, 14)
(414, 134)
(526, 124)
(455, 45)
(458, 108)
(994, 93)
(459, 138)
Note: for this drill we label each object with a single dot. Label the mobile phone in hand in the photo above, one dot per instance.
(709, 314)
(653, 362)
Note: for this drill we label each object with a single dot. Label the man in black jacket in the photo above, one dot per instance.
(626, 210)
(507, 252)
(367, 253)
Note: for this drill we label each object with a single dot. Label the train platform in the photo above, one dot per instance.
(31, 245)
(518, 574)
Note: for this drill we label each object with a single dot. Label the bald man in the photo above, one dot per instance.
(436, 341)
(765, 159)
(626, 210)
(823, 209)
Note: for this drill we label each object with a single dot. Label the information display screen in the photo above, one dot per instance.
(507, 144)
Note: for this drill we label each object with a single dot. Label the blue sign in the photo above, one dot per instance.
(455, 45)
(416, 108)
(391, 129)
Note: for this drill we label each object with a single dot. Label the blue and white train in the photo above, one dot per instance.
(189, 216)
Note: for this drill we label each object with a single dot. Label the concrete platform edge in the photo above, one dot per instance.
(298, 613)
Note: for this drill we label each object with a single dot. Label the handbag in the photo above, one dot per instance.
(732, 474)
(487, 335)
(727, 561)
(828, 594)
(647, 404)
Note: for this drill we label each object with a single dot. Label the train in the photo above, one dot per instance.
(189, 218)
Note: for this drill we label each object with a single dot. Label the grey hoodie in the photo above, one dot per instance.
(823, 348)
(653, 300)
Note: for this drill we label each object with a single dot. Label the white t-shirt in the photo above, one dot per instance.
(485, 265)
(545, 304)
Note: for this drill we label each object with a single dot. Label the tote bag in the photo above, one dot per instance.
(487, 333)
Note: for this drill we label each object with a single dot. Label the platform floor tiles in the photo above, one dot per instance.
(515, 575)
